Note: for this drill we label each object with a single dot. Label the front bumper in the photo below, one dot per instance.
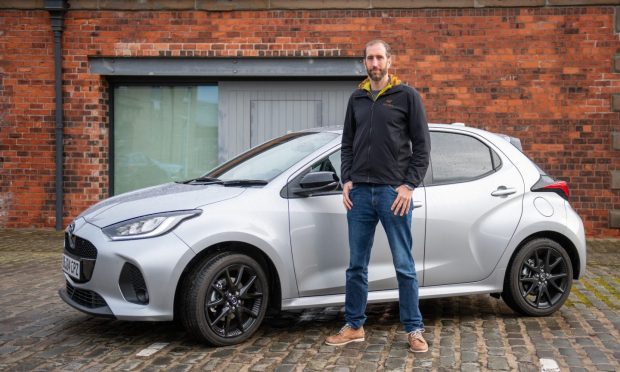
(128, 280)
(86, 301)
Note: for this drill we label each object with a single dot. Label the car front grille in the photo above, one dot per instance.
(85, 297)
(82, 247)
(85, 252)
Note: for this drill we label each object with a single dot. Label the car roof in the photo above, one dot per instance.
(338, 128)
(454, 126)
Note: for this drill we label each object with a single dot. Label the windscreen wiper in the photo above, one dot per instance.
(217, 181)
(245, 183)
(203, 180)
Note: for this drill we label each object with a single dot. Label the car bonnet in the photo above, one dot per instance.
(163, 198)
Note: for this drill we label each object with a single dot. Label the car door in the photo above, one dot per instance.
(319, 239)
(474, 204)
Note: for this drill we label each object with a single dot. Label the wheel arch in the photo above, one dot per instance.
(275, 288)
(564, 241)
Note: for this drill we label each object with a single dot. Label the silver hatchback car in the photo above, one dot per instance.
(268, 230)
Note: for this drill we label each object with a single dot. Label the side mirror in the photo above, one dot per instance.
(315, 182)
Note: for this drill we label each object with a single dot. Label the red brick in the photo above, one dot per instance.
(542, 74)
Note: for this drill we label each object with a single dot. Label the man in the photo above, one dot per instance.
(385, 154)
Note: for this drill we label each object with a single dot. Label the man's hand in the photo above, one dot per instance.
(402, 203)
(346, 188)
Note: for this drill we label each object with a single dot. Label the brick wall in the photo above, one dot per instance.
(542, 74)
(26, 119)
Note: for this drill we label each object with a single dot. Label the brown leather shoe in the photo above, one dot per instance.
(417, 343)
(346, 335)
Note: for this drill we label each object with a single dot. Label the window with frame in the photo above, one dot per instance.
(329, 164)
(163, 133)
(459, 158)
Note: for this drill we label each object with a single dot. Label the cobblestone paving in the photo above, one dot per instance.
(473, 333)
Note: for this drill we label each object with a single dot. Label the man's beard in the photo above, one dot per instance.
(376, 74)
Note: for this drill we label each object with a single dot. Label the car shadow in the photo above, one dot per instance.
(433, 310)
(286, 324)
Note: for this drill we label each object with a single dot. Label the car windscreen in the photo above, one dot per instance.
(268, 160)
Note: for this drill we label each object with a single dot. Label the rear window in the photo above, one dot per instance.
(460, 158)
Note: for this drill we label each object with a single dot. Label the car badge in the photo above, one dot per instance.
(70, 236)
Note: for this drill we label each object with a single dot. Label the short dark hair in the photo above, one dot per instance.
(388, 50)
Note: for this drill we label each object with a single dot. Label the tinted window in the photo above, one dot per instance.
(459, 158)
(329, 164)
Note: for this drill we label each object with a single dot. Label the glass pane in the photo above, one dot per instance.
(163, 134)
(332, 163)
(329, 164)
(458, 158)
(268, 160)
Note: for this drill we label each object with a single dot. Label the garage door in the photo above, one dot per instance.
(251, 113)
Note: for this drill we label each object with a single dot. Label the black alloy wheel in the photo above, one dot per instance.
(233, 300)
(226, 299)
(539, 279)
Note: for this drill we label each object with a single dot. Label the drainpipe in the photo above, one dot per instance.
(57, 9)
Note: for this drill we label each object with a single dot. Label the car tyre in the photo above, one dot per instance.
(225, 299)
(539, 279)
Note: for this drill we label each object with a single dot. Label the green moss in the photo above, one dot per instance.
(592, 289)
(611, 289)
(580, 297)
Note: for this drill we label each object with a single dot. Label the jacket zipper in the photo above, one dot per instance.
(372, 111)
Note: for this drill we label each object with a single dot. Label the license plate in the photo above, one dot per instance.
(71, 266)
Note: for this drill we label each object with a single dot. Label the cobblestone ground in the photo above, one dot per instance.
(39, 332)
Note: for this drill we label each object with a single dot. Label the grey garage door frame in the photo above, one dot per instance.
(345, 67)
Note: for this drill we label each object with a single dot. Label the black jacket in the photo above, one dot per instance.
(385, 141)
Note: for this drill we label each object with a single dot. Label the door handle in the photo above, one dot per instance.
(417, 204)
(504, 191)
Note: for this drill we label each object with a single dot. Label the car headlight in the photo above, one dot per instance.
(148, 226)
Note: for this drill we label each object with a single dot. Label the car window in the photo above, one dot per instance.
(267, 161)
(459, 158)
(328, 164)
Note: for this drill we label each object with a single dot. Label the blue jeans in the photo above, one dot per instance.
(371, 204)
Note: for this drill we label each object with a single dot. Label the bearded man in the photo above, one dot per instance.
(385, 154)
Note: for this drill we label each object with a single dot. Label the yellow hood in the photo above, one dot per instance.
(394, 80)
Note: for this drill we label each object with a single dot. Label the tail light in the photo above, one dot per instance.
(548, 184)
